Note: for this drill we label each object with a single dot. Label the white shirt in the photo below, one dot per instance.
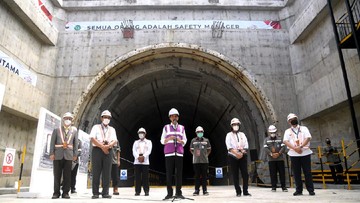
(236, 141)
(296, 137)
(102, 133)
(142, 147)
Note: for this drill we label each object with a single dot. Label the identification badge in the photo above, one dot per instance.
(65, 145)
(197, 152)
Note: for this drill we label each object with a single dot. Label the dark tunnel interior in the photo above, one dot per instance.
(202, 96)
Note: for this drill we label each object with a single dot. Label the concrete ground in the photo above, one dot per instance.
(217, 194)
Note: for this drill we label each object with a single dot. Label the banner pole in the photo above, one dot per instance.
(21, 167)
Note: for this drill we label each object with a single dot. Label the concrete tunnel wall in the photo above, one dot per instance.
(207, 88)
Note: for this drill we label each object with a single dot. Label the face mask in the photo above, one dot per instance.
(294, 122)
(235, 128)
(67, 122)
(106, 121)
(272, 135)
(200, 135)
(141, 135)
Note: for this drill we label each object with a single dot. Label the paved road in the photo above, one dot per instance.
(217, 194)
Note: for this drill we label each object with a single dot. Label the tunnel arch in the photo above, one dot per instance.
(205, 86)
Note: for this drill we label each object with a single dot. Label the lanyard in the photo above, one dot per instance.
(142, 146)
(239, 142)
(103, 133)
(62, 136)
(296, 133)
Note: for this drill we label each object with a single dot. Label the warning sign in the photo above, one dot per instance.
(8, 163)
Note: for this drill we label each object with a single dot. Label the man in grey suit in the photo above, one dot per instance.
(63, 151)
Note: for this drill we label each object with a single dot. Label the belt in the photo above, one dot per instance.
(61, 146)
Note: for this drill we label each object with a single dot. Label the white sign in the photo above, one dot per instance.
(2, 93)
(170, 25)
(123, 174)
(42, 166)
(9, 159)
(18, 69)
(218, 173)
(85, 151)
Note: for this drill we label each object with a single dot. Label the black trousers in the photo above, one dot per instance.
(115, 175)
(201, 170)
(101, 166)
(235, 165)
(141, 178)
(276, 167)
(174, 163)
(336, 168)
(62, 168)
(304, 163)
(73, 177)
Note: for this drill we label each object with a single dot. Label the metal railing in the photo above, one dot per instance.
(343, 24)
(348, 155)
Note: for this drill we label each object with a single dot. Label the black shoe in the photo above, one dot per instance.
(168, 197)
(312, 193)
(146, 194)
(55, 196)
(137, 194)
(106, 196)
(247, 194)
(297, 193)
(179, 197)
(196, 193)
(65, 196)
(238, 194)
(205, 193)
(284, 189)
(273, 189)
(73, 191)
(95, 197)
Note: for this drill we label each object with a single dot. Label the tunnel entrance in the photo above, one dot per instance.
(140, 89)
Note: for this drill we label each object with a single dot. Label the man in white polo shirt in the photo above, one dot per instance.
(297, 139)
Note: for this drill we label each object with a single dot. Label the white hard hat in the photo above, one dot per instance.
(173, 111)
(199, 129)
(291, 116)
(235, 121)
(142, 130)
(68, 115)
(272, 129)
(106, 113)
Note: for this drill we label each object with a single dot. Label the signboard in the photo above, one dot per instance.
(171, 25)
(42, 167)
(123, 174)
(17, 68)
(2, 93)
(218, 173)
(9, 159)
(85, 150)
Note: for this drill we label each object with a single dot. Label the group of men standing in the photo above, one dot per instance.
(64, 150)
(297, 140)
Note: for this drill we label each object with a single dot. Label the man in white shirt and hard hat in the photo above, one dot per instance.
(141, 152)
(238, 146)
(297, 139)
(103, 138)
